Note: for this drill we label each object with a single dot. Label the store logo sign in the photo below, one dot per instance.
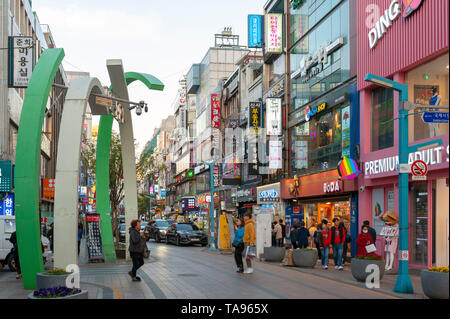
(410, 6)
(309, 112)
(332, 187)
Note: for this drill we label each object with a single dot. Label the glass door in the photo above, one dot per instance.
(419, 225)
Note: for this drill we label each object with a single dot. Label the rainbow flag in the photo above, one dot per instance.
(378, 211)
(348, 169)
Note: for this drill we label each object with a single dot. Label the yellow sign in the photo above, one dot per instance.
(103, 101)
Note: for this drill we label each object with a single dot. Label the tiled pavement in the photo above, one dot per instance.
(195, 273)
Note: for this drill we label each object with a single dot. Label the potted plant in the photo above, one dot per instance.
(306, 257)
(52, 278)
(359, 266)
(435, 282)
(274, 253)
(58, 292)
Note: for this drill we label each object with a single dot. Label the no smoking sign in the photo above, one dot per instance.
(419, 170)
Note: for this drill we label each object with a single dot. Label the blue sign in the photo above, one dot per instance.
(435, 117)
(163, 193)
(7, 206)
(6, 176)
(255, 31)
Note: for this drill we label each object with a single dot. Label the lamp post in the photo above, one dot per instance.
(212, 246)
(403, 283)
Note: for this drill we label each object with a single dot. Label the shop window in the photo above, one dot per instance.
(428, 85)
(316, 212)
(382, 111)
(317, 144)
(419, 225)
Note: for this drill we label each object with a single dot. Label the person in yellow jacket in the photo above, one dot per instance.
(249, 240)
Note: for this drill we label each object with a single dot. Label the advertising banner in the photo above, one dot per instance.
(274, 32)
(48, 188)
(215, 111)
(255, 31)
(94, 239)
(274, 124)
(255, 117)
(275, 154)
(7, 206)
(5, 176)
(21, 61)
(346, 131)
(301, 154)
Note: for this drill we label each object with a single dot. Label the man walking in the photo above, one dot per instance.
(302, 236)
(337, 241)
(249, 241)
(13, 240)
(278, 234)
(137, 248)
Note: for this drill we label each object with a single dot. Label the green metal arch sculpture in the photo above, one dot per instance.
(27, 165)
(102, 165)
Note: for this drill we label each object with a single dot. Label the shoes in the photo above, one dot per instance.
(131, 274)
(135, 279)
(240, 270)
(325, 267)
(248, 271)
(336, 267)
(341, 268)
(19, 277)
(138, 278)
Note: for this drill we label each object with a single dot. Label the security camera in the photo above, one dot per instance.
(146, 108)
(138, 110)
(362, 188)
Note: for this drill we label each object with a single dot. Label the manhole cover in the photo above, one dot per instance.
(188, 275)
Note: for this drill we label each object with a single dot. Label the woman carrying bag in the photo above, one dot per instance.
(249, 242)
(238, 244)
(365, 242)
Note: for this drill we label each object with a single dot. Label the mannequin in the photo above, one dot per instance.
(390, 233)
(435, 101)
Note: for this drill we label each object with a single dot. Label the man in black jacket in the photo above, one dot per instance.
(372, 232)
(137, 248)
(13, 240)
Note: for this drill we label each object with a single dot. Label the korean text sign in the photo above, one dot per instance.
(215, 111)
(274, 31)
(255, 117)
(21, 61)
(5, 176)
(255, 31)
(7, 206)
(274, 125)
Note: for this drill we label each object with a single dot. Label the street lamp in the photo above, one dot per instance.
(212, 246)
(403, 284)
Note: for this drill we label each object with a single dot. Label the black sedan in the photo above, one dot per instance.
(156, 230)
(184, 234)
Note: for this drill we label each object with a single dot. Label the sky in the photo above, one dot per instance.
(162, 38)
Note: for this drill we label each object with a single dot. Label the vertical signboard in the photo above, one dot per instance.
(255, 31)
(274, 32)
(254, 117)
(21, 61)
(48, 188)
(7, 206)
(301, 154)
(275, 155)
(274, 125)
(94, 239)
(5, 176)
(215, 111)
(346, 131)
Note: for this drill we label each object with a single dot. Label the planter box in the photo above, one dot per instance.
(435, 284)
(44, 280)
(82, 295)
(359, 268)
(274, 253)
(305, 258)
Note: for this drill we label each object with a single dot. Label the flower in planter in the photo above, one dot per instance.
(370, 257)
(439, 269)
(55, 292)
(57, 272)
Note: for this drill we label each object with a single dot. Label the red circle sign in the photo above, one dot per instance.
(419, 168)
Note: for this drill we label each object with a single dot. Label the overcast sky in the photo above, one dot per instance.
(162, 38)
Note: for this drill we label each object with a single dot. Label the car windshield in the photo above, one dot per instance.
(122, 227)
(186, 227)
(143, 224)
(162, 223)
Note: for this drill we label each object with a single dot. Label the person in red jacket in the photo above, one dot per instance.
(325, 243)
(364, 239)
(337, 242)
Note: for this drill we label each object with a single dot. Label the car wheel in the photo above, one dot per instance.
(178, 241)
(11, 263)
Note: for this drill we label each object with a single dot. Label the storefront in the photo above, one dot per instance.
(269, 201)
(423, 46)
(246, 198)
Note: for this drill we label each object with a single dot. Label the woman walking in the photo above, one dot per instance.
(249, 240)
(238, 244)
(324, 244)
(137, 248)
(278, 234)
(317, 232)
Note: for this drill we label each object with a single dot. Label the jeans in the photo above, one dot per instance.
(238, 256)
(338, 249)
(325, 251)
(138, 262)
(319, 250)
(279, 242)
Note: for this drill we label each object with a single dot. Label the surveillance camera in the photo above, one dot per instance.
(138, 110)
(146, 108)
(362, 188)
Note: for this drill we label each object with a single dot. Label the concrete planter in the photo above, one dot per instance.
(274, 253)
(305, 258)
(435, 284)
(359, 268)
(43, 280)
(82, 295)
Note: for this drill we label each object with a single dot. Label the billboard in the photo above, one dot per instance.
(254, 117)
(274, 125)
(274, 33)
(21, 61)
(255, 31)
(215, 111)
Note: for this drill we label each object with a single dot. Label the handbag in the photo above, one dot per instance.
(371, 248)
(250, 252)
(146, 253)
(235, 244)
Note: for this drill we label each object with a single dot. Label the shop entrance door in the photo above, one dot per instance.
(326, 211)
(419, 224)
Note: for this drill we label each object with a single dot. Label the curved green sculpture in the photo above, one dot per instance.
(28, 154)
(102, 165)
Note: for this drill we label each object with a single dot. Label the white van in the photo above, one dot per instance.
(7, 227)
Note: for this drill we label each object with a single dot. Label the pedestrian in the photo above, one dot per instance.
(278, 234)
(363, 240)
(238, 244)
(273, 234)
(80, 235)
(13, 240)
(294, 240)
(283, 232)
(249, 240)
(50, 236)
(137, 248)
(372, 232)
(302, 236)
(316, 239)
(348, 240)
(324, 244)
(337, 242)
(312, 231)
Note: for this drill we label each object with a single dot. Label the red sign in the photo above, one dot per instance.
(48, 188)
(419, 168)
(93, 218)
(215, 111)
(296, 210)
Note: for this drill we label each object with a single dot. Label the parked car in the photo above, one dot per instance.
(156, 230)
(122, 233)
(185, 234)
(143, 225)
